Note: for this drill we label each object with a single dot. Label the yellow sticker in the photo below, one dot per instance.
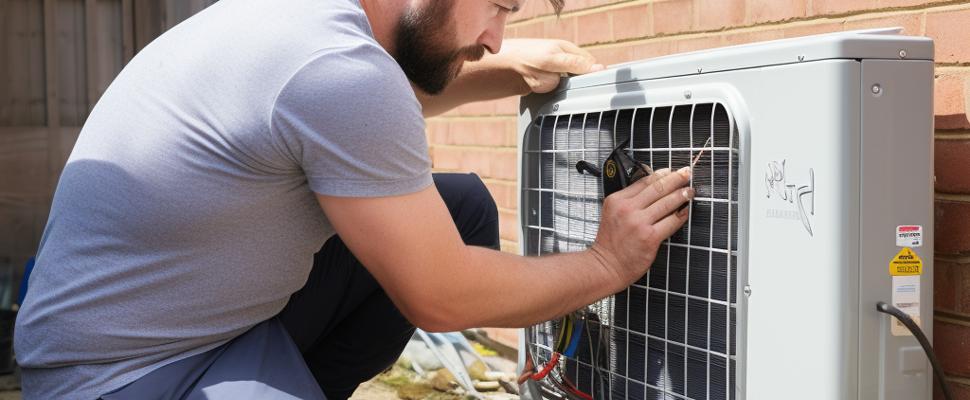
(906, 263)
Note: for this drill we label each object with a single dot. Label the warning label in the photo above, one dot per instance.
(906, 263)
(909, 235)
(906, 297)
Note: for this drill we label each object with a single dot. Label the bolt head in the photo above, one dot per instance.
(747, 291)
(876, 89)
(902, 53)
(688, 94)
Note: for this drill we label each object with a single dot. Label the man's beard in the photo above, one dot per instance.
(424, 47)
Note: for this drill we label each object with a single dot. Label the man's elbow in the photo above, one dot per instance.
(433, 316)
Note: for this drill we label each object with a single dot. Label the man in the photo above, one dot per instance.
(184, 256)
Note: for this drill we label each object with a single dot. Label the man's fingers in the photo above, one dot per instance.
(666, 185)
(668, 204)
(638, 186)
(671, 223)
(571, 63)
(572, 48)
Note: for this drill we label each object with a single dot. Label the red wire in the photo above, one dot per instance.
(572, 388)
(578, 393)
(545, 370)
(548, 368)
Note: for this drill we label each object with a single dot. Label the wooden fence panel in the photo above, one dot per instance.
(22, 63)
(57, 57)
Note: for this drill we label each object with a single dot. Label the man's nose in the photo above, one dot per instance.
(493, 35)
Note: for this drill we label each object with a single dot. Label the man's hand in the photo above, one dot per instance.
(542, 62)
(523, 66)
(637, 219)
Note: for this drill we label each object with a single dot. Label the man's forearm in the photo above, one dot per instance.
(503, 290)
(488, 79)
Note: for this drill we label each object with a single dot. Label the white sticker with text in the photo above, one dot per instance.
(909, 235)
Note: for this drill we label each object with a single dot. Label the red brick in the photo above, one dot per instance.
(758, 11)
(509, 246)
(813, 29)
(672, 16)
(716, 14)
(564, 28)
(507, 106)
(576, 5)
(446, 158)
(698, 43)
(632, 22)
(952, 344)
(479, 132)
(505, 165)
(506, 336)
(594, 28)
(952, 163)
(477, 108)
(653, 49)
(508, 225)
(906, 3)
(949, 32)
(911, 23)
(959, 390)
(504, 193)
(735, 38)
(531, 30)
(611, 55)
(827, 7)
(952, 227)
(951, 286)
(951, 99)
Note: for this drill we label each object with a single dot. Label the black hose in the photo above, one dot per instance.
(883, 307)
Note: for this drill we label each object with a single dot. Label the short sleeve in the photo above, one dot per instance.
(350, 119)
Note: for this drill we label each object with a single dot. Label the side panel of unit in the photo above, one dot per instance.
(897, 189)
(803, 234)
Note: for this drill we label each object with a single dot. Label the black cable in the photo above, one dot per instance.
(883, 307)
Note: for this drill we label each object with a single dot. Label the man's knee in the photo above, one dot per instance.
(472, 208)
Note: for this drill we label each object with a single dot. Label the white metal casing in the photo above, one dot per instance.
(809, 329)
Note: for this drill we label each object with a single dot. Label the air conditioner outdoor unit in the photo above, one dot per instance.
(814, 202)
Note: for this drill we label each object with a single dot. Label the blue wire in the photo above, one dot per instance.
(574, 340)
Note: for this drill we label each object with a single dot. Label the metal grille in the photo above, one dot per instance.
(671, 335)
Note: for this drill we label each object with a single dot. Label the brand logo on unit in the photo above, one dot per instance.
(610, 168)
(800, 197)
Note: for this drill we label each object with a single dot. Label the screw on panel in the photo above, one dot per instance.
(801, 58)
(688, 94)
(747, 291)
(902, 54)
(555, 107)
(876, 89)
(699, 70)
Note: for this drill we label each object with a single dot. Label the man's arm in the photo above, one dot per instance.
(411, 246)
(522, 66)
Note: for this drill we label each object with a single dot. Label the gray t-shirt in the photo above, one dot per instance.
(186, 213)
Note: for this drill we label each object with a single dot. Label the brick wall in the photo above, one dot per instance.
(481, 137)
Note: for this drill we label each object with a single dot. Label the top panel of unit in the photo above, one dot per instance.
(886, 44)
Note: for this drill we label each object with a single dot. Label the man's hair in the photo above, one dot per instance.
(558, 5)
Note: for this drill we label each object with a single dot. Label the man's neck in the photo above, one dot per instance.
(383, 16)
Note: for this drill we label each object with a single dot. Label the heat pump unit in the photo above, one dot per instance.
(814, 201)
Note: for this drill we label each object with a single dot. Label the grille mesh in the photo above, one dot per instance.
(671, 335)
